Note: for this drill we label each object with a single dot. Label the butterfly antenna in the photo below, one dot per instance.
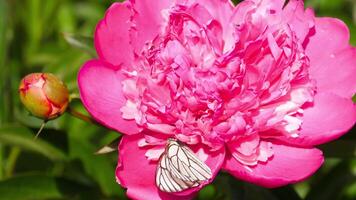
(40, 130)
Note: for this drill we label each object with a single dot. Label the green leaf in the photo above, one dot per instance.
(207, 193)
(22, 137)
(4, 72)
(36, 187)
(100, 168)
(81, 42)
(3, 30)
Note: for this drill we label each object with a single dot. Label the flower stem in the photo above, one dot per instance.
(40, 130)
(74, 96)
(11, 161)
(81, 116)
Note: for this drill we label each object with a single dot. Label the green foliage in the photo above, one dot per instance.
(34, 187)
(23, 138)
(56, 36)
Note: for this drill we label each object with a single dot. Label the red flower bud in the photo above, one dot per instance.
(44, 95)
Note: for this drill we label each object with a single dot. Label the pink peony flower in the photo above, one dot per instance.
(250, 89)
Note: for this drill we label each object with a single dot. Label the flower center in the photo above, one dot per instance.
(187, 84)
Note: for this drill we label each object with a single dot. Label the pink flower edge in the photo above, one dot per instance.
(96, 80)
(137, 174)
(287, 166)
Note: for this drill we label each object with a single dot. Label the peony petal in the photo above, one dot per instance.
(336, 73)
(148, 20)
(101, 92)
(238, 16)
(333, 66)
(331, 34)
(270, 4)
(288, 165)
(221, 10)
(112, 39)
(327, 119)
(301, 21)
(137, 174)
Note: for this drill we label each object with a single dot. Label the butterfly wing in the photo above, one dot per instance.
(180, 169)
(168, 183)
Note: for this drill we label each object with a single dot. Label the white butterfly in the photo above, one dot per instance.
(180, 169)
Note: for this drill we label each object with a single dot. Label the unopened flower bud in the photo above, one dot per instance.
(44, 95)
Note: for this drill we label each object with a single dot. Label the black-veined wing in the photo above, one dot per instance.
(180, 169)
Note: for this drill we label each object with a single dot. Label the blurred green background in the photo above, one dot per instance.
(56, 36)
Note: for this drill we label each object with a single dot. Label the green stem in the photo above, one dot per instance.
(81, 116)
(11, 161)
(74, 96)
(40, 130)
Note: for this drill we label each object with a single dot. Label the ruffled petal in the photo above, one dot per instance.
(221, 10)
(332, 60)
(101, 93)
(136, 173)
(112, 38)
(148, 20)
(327, 119)
(300, 20)
(288, 165)
(271, 4)
(271, 13)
